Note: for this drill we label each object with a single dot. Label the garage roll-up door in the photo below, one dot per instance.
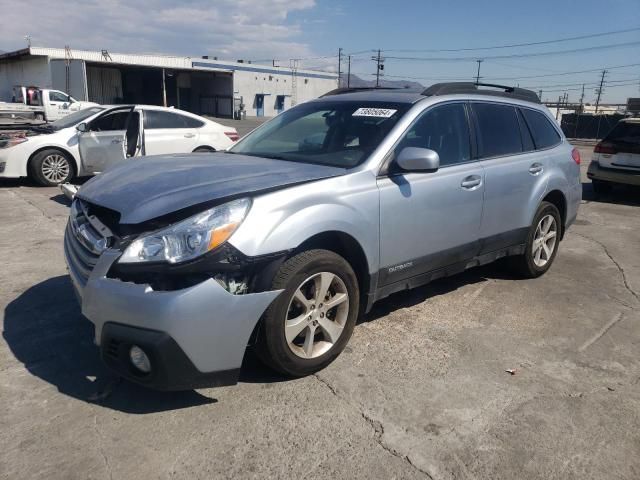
(104, 85)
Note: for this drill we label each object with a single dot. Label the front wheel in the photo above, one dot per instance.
(542, 243)
(51, 167)
(310, 323)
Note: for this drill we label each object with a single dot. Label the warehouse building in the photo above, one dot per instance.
(203, 85)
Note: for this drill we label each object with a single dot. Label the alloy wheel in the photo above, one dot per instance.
(544, 240)
(55, 168)
(317, 315)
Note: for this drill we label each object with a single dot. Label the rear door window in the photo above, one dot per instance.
(498, 129)
(155, 119)
(544, 133)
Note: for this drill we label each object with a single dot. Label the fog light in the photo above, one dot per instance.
(139, 359)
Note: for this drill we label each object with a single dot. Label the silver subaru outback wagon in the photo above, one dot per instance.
(183, 261)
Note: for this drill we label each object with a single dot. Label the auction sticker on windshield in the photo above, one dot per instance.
(374, 112)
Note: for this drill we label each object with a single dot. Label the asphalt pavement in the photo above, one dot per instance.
(422, 391)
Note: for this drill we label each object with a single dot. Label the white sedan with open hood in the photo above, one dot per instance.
(86, 142)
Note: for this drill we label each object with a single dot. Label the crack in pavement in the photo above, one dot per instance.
(100, 447)
(25, 199)
(377, 427)
(625, 281)
(619, 316)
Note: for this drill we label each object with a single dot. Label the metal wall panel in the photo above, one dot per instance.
(77, 87)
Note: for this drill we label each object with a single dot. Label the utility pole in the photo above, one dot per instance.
(478, 74)
(339, 65)
(540, 94)
(379, 67)
(348, 71)
(599, 90)
(67, 67)
(582, 97)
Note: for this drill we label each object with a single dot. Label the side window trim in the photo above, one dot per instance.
(389, 157)
(525, 129)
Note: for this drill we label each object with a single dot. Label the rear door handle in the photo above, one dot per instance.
(471, 182)
(116, 140)
(536, 169)
(189, 135)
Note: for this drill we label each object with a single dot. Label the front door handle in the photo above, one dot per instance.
(189, 135)
(116, 141)
(536, 169)
(471, 182)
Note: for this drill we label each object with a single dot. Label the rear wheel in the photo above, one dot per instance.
(310, 323)
(51, 167)
(204, 149)
(542, 243)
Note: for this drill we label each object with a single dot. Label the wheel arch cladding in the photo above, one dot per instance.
(557, 198)
(72, 160)
(347, 247)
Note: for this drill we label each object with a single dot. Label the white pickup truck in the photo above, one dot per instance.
(37, 105)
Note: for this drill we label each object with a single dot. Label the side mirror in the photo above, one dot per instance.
(82, 127)
(414, 159)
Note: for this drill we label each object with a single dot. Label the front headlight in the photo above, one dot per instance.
(189, 238)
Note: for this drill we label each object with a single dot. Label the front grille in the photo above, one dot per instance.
(83, 242)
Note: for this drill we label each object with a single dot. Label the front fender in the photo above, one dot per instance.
(284, 219)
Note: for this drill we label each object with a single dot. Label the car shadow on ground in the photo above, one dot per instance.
(619, 195)
(443, 286)
(46, 331)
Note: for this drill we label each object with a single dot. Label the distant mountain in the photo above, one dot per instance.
(357, 82)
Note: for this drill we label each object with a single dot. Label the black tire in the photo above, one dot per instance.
(272, 346)
(524, 265)
(600, 187)
(38, 162)
(204, 149)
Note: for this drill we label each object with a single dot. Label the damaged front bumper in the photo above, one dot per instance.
(194, 337)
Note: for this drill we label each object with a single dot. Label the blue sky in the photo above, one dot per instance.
(283, 29)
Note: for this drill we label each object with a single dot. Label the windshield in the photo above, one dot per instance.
(75, 118)
(336, 133)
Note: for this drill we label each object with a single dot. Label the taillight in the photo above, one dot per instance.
(604, 148)
(233, 136)
(575, 154)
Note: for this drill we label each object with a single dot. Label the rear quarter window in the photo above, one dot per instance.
(498, 129)
(543, 132)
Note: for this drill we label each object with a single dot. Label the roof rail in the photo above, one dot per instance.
(472, 87)
(339, 91)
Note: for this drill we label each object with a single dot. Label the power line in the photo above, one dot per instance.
(520, 55)
(625, 80)
(495, 47)
(572, 72)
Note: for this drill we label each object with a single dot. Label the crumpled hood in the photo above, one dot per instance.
(142, 189)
